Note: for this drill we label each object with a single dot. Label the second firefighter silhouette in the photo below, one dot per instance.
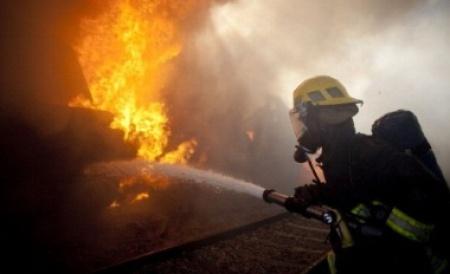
(395, 205)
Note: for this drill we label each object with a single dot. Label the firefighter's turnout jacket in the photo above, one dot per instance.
(395, 208)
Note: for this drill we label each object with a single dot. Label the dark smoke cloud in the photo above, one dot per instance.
(44, 144)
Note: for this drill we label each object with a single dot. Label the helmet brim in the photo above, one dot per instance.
(338, 101)
(337, 114)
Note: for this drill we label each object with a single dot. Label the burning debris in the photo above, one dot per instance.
(126, 56)
(96, 81)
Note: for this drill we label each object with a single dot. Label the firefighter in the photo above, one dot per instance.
(393, 207)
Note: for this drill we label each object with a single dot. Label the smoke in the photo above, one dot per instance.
(47, 144)
(245, 62)
(231, 90)
(238, 67)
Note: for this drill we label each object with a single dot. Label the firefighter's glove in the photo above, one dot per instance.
(293, 204)
(305, 194)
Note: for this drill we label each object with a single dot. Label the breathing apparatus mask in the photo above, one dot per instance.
(297, 116)
(308, 140)
(306, 130)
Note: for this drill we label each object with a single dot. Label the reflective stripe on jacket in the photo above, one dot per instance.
(408, 227)
(400, 222)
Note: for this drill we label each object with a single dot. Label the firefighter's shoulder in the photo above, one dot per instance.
(371, 150)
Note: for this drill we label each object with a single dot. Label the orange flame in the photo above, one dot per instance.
(126, 55)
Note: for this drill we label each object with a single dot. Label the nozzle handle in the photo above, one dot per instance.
(325, 215)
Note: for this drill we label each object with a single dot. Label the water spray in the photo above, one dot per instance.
(130, 168)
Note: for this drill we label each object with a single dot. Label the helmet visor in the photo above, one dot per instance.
(298, 126)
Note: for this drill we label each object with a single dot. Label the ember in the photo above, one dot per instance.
(250, 135)
(141, 196)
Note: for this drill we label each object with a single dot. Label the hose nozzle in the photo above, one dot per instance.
(294, 205)
(271, 196)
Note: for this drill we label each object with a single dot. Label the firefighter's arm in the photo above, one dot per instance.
(308, 193)
(322, 193)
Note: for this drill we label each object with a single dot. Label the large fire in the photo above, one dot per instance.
(126, 56)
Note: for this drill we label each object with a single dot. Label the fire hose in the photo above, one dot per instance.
(325, 215)
(340, 234)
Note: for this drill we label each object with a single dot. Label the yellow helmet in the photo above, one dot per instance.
(322, 91)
